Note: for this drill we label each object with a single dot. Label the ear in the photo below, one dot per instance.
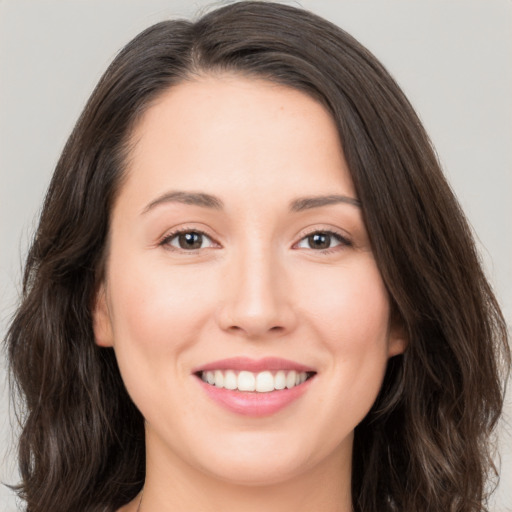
(398, 339)
(101, 322)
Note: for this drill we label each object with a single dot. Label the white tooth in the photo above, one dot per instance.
(230, 381)
(219, 379)
(280, 380)
(264, 382)
(246, 381)
(290, 379)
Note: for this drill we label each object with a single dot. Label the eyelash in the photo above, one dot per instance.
(343, 240)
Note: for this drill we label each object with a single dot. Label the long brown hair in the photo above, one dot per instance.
(424, 446)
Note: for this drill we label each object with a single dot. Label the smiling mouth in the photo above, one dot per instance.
(261, 382)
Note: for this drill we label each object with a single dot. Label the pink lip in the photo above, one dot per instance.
(254, 404)
(254, 365)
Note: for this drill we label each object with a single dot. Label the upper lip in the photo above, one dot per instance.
(253, 365)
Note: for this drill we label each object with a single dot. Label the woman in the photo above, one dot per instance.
(252, 287)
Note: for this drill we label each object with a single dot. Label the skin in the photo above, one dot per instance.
(256, 287)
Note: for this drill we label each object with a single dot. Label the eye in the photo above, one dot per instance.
(323, 240)
(188, 240)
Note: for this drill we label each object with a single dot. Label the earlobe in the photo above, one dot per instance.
(397, 346)
(101, 322)
(398, 341)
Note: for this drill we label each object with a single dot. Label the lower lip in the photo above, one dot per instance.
(253, 403)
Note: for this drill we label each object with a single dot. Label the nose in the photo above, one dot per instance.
(256, 301)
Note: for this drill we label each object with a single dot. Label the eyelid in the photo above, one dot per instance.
(324, 229)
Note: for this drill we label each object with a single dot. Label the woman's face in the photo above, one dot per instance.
(238, 255)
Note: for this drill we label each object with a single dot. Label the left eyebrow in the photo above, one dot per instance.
(306, 203)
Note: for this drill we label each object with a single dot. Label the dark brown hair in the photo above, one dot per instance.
(424, 446)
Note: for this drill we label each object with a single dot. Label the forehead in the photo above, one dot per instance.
(230, 132)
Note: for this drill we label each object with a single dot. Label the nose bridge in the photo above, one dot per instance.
(255, 301)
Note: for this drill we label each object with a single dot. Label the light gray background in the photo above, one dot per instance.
(452, 58)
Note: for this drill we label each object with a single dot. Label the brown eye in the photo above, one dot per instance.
(188, 240)
(323, 240)
(319, 241)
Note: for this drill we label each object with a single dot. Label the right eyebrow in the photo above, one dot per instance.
(192, 198)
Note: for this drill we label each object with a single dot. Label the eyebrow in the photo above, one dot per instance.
(208, 201)
(193, 198)
(306, 203)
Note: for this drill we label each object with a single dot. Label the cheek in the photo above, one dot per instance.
(350, 306)
(351, 318)
(158, 313)
(157, 304)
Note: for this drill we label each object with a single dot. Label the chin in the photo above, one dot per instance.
(259, 473)
(259, 459)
